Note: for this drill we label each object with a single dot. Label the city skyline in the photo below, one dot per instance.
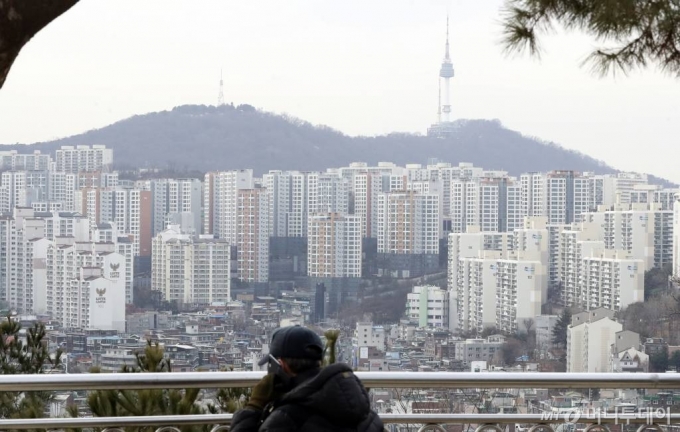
(383, 59)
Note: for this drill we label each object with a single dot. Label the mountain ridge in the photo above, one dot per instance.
(206, 138)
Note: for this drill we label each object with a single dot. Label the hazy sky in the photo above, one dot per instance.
(363, 67)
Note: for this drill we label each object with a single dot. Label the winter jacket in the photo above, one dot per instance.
(332, 399)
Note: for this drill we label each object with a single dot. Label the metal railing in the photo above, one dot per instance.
(413, 380)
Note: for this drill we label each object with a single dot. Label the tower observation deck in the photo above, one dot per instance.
(444, 125)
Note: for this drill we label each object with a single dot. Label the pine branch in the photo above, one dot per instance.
(643, 32)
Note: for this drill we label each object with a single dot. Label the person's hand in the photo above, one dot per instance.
(262, 393)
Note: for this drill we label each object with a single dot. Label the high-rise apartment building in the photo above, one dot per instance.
(108, 233)
(62, 189)
(334, 246)
(574, 244)
(408, 223)
(129, 209)
(82, 158)
(589, 340)
(676, 238)
(288, 202)
(498, 279)
(14, 161)
(644, 230)
(220, 202)
(617, 188)
(176, 201)
(408, 233)
(80, 284)
(16, 261)
(252, 234)
(492, 291)
(428, 306)
(654, 194)
(611, 280)
(365, 190)
(20, 232)
(190, 269)
(45, 189)
(328, 193)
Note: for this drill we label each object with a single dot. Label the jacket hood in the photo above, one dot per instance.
(336, 393)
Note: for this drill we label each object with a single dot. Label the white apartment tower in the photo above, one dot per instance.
(519, 287)
(408, 223)
(574, 244)
(428, 306)
(328, 193)
(14, 161)
(177, 200)
(334, 246)
(84, 283)
(497, 279)
(365, 190)
(676, 238)
(12, 190)
(220, 202)
(534, 194)
(190, 269)
(81, 158)
(611, 279)
(288, 202)
(252, 234)
(62, 188)
(128, 209)
(108, 233)
(644, 230)
(16, 262)
(19, 235)
(589, 340)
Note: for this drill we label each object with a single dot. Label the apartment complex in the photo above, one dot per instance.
(175, 202)
(190, 269)
(471, 350)
(12, 160)
(83, 158)
(130, 209)
(428, 306)
(644, 230)
(252, 234)
(496, 281)
(334, 246)
(220, 202)
(589, 340)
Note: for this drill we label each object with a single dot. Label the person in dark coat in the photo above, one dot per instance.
(298, 395)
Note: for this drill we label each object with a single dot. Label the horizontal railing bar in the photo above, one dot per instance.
(609, 418)
(370, 379)
(520, 380)
(102, 422)
(225, 419)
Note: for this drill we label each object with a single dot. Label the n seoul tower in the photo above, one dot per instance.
(444, 126)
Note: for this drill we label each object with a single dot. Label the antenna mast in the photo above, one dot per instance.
(220, 95)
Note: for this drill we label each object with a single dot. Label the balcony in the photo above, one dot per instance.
(410, 380)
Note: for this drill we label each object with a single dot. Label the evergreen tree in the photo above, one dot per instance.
(148, 402)
(633, 33)
(659, 362)
(24, 357)
(559, 332)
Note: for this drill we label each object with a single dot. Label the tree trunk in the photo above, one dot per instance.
(20, 20)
